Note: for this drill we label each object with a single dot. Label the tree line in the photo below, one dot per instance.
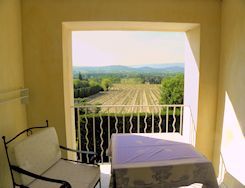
(171, 85)
(84, 87)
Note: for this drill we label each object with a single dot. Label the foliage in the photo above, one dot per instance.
(80, 77)
(148, 78)
(106, 83)
(94, 82)
(81, 101)
(135, 80)
(86, 91)
(87, 84)
(124, 124)
(152, 79)
(172, 90)
(80, 83)
(84, 87)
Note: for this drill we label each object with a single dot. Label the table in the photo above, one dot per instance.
(150, 160)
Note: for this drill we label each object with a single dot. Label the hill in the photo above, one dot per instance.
(155, 68)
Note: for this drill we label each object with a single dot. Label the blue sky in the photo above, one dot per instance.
(103, 48)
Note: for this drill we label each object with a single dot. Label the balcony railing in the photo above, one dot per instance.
(96, 123)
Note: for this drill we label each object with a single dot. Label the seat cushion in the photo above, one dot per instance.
(36, 153)
(78, 175)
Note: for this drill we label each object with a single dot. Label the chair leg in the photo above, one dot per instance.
(22, 186)
(98, 183)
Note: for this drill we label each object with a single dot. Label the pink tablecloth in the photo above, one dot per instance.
(149, 160)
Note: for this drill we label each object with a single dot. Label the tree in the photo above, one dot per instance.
(80, 83)
(76, 83)
(80, 76)
(106, 83)
(93, 82)
(172, 90)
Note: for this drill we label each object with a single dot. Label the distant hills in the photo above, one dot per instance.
(161, 66)
(149, 68)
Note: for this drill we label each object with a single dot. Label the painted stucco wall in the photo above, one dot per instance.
(191, 86)
(230, 133)
(42, 45)
(12, 114)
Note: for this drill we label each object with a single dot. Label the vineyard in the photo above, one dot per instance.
(128, 94)
(103, 107)
(124, 108)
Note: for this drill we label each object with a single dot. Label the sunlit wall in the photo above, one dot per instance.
(191, 86)
(229, 142)
(233, 143)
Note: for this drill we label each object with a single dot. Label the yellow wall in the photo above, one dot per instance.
(42, 47)
(13, 114)
(42, 44)
(231, 106)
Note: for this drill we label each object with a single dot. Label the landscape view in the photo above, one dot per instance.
(144, 85)
(128, 68)
(126, 82)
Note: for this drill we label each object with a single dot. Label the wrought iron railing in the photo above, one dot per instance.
(95, 124)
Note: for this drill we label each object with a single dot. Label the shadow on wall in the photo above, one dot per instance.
(232, 147)
(230, 181)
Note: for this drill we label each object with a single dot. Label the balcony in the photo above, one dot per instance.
(35, 54)
(96, 123)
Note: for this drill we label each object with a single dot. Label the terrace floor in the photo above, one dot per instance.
(105, 175)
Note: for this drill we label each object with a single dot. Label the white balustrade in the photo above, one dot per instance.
(96, 123)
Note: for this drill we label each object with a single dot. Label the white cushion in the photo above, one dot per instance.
(36, 153)
(78, 175)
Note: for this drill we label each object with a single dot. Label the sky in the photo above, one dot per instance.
(104, 48)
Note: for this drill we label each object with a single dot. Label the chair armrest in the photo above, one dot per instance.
(65, 184)
(78, 151)
(93, 158)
